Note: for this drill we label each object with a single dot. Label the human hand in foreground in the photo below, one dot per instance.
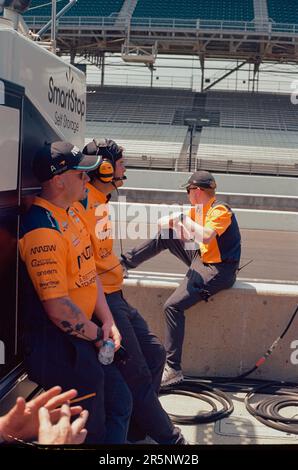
(22, 422)
(63, 432)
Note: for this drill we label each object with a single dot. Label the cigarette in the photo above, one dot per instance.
(84, 397)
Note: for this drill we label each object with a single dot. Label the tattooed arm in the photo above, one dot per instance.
(65, 314)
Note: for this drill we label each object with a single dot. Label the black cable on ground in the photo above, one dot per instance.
(201, 391)
(267, 410)
(198, 388)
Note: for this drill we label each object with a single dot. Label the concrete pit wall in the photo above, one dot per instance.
(241, 201)
(226, 336)
(146, 215)
(226, 183)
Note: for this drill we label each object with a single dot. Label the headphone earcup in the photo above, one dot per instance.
(105, 171)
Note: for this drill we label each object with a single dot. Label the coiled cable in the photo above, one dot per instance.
(267, 410)
(219, 401)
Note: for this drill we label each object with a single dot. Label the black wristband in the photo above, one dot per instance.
(181, 217)
(99, 336)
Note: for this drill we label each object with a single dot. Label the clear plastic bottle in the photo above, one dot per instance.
(106, 352)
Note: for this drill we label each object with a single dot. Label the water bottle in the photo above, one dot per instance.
(106, 352)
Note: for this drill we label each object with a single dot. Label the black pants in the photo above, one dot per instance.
(200, 282)
(142, 373)
(55, 358)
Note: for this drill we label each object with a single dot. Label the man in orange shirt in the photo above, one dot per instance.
(143, 370)
(208, 241)
(62, 292)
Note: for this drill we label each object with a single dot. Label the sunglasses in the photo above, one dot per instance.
(79, 174)
(190, 188)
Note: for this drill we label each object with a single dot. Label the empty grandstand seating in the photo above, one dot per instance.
(81, 8)
(238, 149)
(285, 11)
(145, 144)
(240, 10)
(254, 110)
(136, 104)
(172, 106)
(242, 131)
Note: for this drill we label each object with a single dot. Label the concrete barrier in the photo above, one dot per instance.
(248, 184)
(145, 216)
(239, 200)
(226, 336)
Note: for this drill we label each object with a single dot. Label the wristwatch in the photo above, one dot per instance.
(181, 217)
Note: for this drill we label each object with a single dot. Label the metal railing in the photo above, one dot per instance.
(95, 21)
(150, 162)
(268, 27)
(217, 165)
(248, 167)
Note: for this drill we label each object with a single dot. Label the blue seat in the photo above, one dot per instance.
(81, 8)
(285, 11)
(232, 10)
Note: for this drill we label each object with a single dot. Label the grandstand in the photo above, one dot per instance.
(130, 104)
(241, 131)
(253, 110)
(230, 10)
(251, 151)
(146, 145)
(283, 11)
(174, 106)
(248, 31)
(81, 8)
(200, 24)
(241, 10)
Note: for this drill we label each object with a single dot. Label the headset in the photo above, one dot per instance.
(109, 151)
(105, 172)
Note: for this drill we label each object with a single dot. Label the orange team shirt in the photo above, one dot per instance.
(56, 248)
(95, 209)
(217, 218)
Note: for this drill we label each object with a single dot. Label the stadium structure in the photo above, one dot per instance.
(229, 131)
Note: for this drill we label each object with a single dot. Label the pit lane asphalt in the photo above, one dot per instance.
(274, 254)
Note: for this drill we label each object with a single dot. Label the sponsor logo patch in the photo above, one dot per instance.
(42, 249)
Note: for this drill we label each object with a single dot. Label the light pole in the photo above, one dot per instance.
(54, 26)
(191, 127)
